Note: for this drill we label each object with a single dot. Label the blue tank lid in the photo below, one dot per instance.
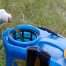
(29, 32)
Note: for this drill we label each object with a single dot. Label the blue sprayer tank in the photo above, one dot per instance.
(16, 45)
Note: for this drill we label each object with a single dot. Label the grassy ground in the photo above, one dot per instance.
(49, 13)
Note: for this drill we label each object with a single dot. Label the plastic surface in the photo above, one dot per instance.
(16, 50)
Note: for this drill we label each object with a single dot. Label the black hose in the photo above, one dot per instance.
(46, 29)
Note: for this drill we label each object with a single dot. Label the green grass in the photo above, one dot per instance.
(2, 54)
(49, 13)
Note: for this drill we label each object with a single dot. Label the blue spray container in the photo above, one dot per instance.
(16, 45)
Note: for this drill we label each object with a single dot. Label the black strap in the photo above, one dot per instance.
(32, 54)
(44, 58)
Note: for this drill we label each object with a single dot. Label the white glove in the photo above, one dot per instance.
(4, 16)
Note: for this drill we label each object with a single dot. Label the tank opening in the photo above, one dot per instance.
(24, 35)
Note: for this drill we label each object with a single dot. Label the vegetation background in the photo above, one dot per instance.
(48, 13)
